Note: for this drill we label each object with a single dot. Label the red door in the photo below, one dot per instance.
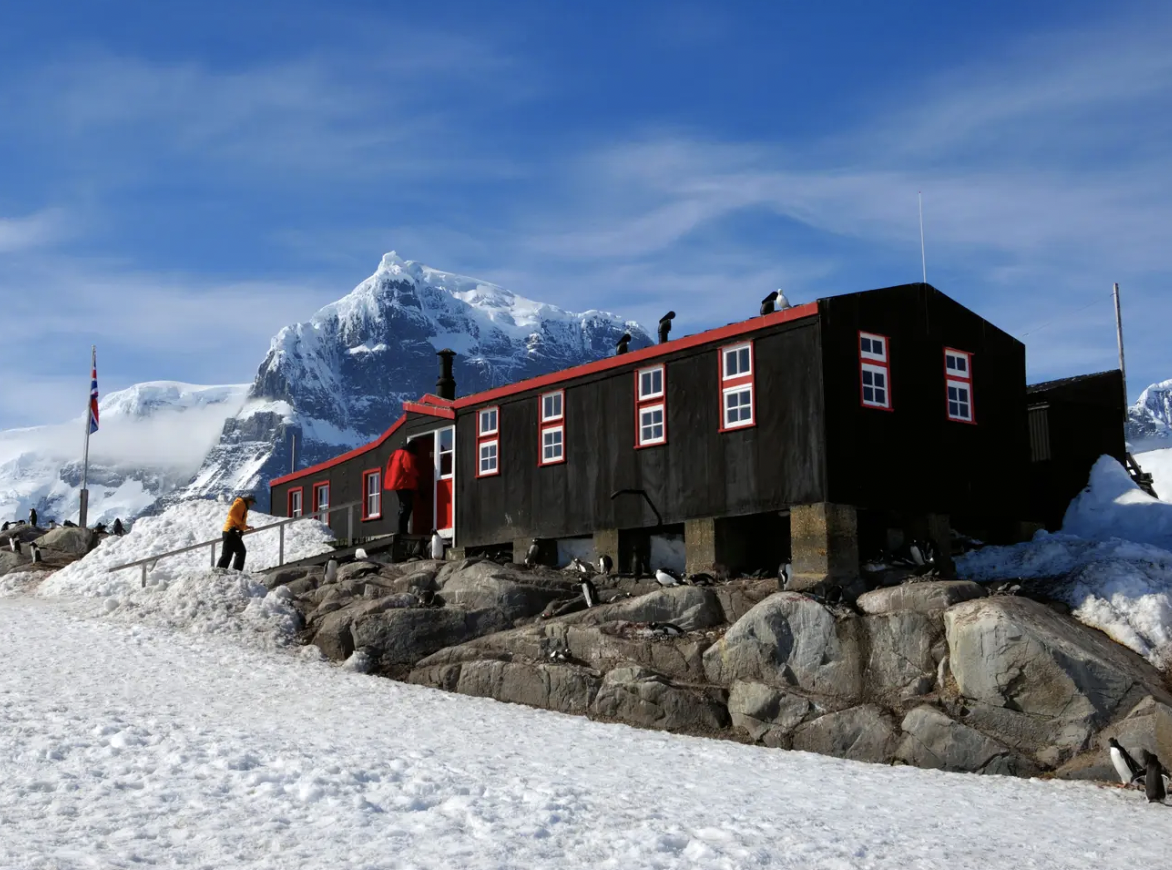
(424, 507)
(445, 478)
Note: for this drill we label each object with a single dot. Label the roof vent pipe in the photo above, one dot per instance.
(445, 387)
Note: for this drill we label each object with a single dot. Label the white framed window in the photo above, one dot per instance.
(957, 364)
(651, 383)
(295, 506)
(960, 401)
(372, 488)
(738, 407)
(445, 452)
(875, 387)
(553, 447)
(489, 458)
(873, 347)
(321, 500)
(552, 406)
(652, 428)
(489, 421)
(738, 361)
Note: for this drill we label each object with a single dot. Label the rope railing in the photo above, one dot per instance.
(149, 562)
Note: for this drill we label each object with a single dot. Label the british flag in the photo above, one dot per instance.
(94, 399)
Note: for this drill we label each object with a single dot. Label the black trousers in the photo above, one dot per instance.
(406, 502)
(233, 550)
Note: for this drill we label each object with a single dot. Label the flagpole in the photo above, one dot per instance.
(85, 463)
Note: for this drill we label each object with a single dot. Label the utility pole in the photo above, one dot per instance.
(293, 452)
(1142, 478)
(1119, 339)
(91, 426)
(924, 256)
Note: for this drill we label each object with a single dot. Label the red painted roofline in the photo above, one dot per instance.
(733, 330)
(330, 463)
(433, 399)
(429, 410)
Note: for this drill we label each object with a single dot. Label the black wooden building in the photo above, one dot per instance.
(819, 429)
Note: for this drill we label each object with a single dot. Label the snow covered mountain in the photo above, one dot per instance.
(1150, 418)
(153, 438)
(339, 379)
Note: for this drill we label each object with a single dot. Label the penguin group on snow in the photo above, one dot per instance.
(1151, 776)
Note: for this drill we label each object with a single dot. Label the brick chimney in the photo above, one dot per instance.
(445, 387)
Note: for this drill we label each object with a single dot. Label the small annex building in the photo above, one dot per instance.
(816, 433)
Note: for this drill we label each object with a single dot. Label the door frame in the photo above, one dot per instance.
(434, 434)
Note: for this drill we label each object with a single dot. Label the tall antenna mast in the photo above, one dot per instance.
(1119, 339)
(923, 257)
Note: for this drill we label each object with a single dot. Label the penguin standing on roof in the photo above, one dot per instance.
(665, 326)
(1126, 767)
(769, 303)
(621, 347)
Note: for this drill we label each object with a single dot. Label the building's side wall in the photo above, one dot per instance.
(345, 479)
(1085, 421)
(699, 472)
(913, 458)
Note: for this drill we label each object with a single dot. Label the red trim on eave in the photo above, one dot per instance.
(338, 460)
(433, 399)
(733, 330)
(429, 410)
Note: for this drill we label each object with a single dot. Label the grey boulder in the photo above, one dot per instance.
(766, 714)
(689, 607)
(932, 740)
(69, 540)
(920, 597)
(642, 697)
(863, 733)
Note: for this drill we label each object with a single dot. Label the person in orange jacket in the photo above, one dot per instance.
(234, 529)
(403, 478)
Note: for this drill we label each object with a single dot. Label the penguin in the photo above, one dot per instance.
(700, 579)
(768, 303)
(32, 516)
(69, 524)
(331, 571)
(605, 564)
(360, 554)
(916, 553)
(666, 577)
(1154, 786)
(4, 528)
(621, 347)
(589, 593)
(558, 655)
(667, 629)
(100, 528)
(1125, 766)
(532, 554)
(13, 544)
(437, 545)
(118, 529)
(34, 552)
(665, 326)
(784, 574)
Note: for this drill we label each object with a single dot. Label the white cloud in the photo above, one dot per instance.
(38, 230)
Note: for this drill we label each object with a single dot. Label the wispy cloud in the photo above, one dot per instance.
(39, 230)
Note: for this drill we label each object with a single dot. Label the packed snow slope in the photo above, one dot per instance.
(1114, 555)
(339, 379)
(153, 438)
(129, 745)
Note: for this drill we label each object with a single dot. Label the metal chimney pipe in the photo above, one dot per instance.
(445, 387)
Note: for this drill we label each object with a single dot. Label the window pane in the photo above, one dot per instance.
(868, 394)
(877, 346)
(743, 359)
(881, 397)
(962, 364)
(865, 344)
(445, 463)
(868, 378)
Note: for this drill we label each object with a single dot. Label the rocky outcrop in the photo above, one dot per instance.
(790, 640)
(688, 607)
(932, 740)
(863, 733)
(642, 697)
(69, 540)
(1041, 682)
(766, 714)
(920, 597)
(10, 561)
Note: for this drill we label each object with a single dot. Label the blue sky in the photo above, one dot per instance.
(180, 180)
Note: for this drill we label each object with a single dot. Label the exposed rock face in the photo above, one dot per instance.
(485, 585)
(1041, 682)
(68, 540)
(920, 597)
(551, 687)
(903, 650)
(401, 637)
(863, 733)
(767, 714)
(642, 697)
(790, 640)
(932, 740)
(10, 561)
(689, 607)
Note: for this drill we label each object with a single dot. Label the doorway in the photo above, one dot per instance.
(435, 502)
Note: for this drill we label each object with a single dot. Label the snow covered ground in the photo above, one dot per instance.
(128, 745)
(1115, 550)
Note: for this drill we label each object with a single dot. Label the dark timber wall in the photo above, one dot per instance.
(345, 479)
(913, 458)
(1072, 423)
(700, 471)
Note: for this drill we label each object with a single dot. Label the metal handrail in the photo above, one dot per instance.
(149, 561)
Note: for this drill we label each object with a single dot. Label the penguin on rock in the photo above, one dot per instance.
(589, 593)
(437, 545)
(667, 577)
(532, 554)
(605, 564)
(331, 571)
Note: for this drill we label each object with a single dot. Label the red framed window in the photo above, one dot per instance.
(958, 385)
(321, 499)
(738, 408)
(552, 428)
(295, 497)
(875, 371)
(651, 406)
(488, 443)
(372, 494)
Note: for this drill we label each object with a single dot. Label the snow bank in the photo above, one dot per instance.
(183, 591)
(1113, 556)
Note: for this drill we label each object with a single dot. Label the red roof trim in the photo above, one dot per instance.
(337, 460)
(733, 330)
(429, 410)
(433, 399)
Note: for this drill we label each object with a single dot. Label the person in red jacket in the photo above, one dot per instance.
(403, 478)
